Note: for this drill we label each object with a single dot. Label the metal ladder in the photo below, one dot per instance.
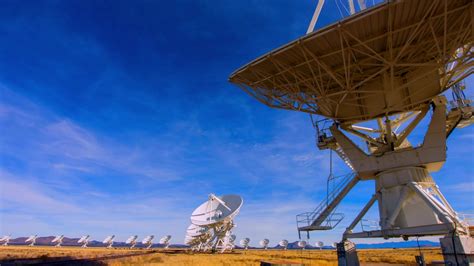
(324, 216)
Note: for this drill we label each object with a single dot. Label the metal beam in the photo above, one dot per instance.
(315, 17)
(362, 213)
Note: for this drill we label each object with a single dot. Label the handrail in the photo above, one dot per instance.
(334, 192)
(323, 211)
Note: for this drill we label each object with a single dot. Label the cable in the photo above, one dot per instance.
(338, 8)
(418, 243)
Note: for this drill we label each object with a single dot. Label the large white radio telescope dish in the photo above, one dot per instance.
(31, 240)
(212, 223)
(195, 230)
(264, 243)
(109, 241)
(283, 243)
(148, 241)
(5, 240)
(58, 240)
(84, 240)
(165, 241)
(217, 209)
(302, 244)
(132, 241)
(245, 243)
(319, 244)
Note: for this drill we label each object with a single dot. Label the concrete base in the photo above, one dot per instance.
(458, 250)
(347, 254)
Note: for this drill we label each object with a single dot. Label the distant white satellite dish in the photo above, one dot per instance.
(132, 241)
(148, 241)
(165, 241)
(109, 241)
(245, 243)
(198, 238)
(283, 244)
(195, 230)
(58, 240)
(264, 243)
(213, 223)
(334, 245)
(5, 240)
(302, 244)
(319, 244)
(31, 240)
(229, 241)
(84, 240)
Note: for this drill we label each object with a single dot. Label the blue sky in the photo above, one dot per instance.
(117, 118)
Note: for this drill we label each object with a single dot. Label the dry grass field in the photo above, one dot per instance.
(122, 256)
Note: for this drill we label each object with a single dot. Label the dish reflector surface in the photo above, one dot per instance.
(131, 239)
(31, 238)
(83, 239)
(213, 211)
(301, 244)
(57, 238)
(108, 239)
(165, 239)
(148, 239)
(391, 58)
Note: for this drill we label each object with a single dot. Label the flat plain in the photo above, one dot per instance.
(123, 256)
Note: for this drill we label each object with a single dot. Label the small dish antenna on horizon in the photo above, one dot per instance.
(132, 241)
(32, 240)
(84, 240)
(319, 244)
(165, 241)
(334, 245)
(264, 243)
(245, 243)
(302, 244)
(148, 241)
(229, 241)
(5, 239)
(109, 241)
(58, 240)
(284, 244)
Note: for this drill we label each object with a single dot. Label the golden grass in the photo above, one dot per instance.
(238, 257)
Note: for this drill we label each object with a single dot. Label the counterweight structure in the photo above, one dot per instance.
(387, 67)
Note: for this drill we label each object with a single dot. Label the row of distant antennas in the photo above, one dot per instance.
(84, 240)
(132, 241)
(212, 223)
(283, 244)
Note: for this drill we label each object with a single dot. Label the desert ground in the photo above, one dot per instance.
(14, 255)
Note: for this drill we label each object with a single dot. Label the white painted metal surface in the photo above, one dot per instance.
(109, 241)
(132, 241)
(283, 243)
(264, 243)
(148, 241)
(58, 240)
(31, 240)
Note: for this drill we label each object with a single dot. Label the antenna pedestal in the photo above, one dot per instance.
(409, 201)
(347, 254)
(457, 250)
